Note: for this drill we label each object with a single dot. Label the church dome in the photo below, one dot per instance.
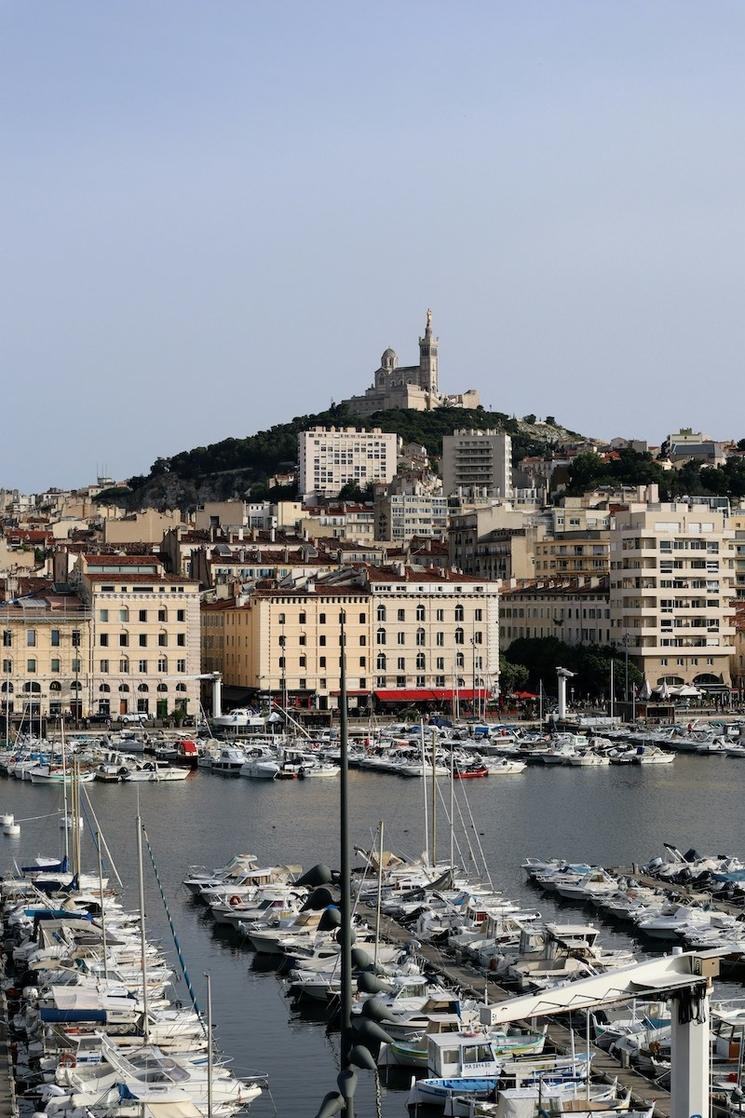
(389, 358)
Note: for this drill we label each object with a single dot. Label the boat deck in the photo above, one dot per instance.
(475, 984)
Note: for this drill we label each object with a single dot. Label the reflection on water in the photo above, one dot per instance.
(610, 815)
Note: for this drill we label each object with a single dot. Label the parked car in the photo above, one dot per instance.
(136, 716)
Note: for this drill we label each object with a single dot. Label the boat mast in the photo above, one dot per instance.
(65, 813)
(210, 1054)
(424, 791)
(434, 801)
(347, 1040)
(143, 941)
(452, 806)
(103, 911)
(380, 894)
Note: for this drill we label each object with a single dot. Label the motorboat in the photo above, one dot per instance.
(154, 772)
(229, 761)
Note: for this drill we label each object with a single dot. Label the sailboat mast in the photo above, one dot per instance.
(452, 806)
(143, 941)
(434, 802)
(210, 1054)
(101, 906)
(65, 813)
(380, 894)
(424, 790)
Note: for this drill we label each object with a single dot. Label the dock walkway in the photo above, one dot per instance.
(644, 1092)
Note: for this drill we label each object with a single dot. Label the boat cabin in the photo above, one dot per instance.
(461, 1055)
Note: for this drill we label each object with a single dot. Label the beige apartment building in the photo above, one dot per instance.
(477, 461)
(576, 611)
(144, 651)
(46, 640)
(412, 635)
(671, 585)
(737, 524)
(573, 555)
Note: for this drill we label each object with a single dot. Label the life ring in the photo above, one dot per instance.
(235, 900)
(67, 1060)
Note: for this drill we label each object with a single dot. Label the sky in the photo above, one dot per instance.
(216, 216)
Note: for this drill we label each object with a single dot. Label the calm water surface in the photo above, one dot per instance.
(614, 815)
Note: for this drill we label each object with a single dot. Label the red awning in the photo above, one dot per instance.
(429, 695)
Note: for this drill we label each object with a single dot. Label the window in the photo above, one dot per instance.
(363, 683)
(401, 615)
(420, 613)
(76, 665)
(363, 641)
(281, 661)
(440, 615)
(363, 618)
(380, 681)
(7, 666)
(303, 684)
(162, 664)
(478, 615)
(181, 665)
(301, 618)
(103, 666)
(439, 681)
(400, 681)
(303, 661)
(31, 665)
(103, 615)
(181, 615)
(421, 661)
(401, 638)
(380, 613)
(142, 667)
(55, 638)
(181, 640)
(321, 661)
(440, 640)
(103, 640)
(124, 666)
(7, 638)
(460, 660)
(380, 636)
(380, 662)
(420, 636)
(142, 640)
(478, 637)
(363, 661)
(459, 613)
(124, 614)
(124, 640)
(401, 663)
(142, 615)
(302, 639)
(322, 641)
(162, 615)
(162, 640)
(322, 619)
(322, 684)
(31, 638)
(440, 663)
(421, 681)
(281, 619)
(459, 636)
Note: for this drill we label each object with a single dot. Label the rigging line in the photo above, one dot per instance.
(452, 824)
(465, 833)
(33, 818)
(172, 926)
(478, 839)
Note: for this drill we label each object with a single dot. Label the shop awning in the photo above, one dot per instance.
(430, 695)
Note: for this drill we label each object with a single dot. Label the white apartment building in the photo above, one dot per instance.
(401, 516)
(672, 581)
(331, 457)
(477, 460)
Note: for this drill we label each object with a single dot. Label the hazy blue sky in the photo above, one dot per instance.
(217, 215)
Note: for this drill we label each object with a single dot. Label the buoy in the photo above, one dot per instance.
(12, 828)
(6, 820)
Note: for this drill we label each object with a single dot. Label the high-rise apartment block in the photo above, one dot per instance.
(332, 457)
(477, 461)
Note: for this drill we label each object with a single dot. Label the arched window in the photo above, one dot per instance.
(76, 685)
(460, 660)
(420, 637)
(123, 688)
(459, 637)
(461, 681)
(420, 613)
(55, 685)
(381, 662)
(381, 613)
(180, 686)
(459, 613)
(380, 636)
(124, 614)
(162, 686)
(143, 687)
(421, 661)
(32, 688)
(104, 687)
(7, 687)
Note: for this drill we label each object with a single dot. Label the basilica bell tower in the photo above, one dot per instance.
(428, 379)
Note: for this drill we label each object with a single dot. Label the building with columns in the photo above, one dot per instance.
(416, 387)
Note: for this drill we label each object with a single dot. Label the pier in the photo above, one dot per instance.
(562, 1038)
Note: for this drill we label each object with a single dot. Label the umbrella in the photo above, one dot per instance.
(688, 692)
(646, 691)
(524, 695)
(664, 690)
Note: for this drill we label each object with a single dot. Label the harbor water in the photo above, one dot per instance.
(614, 816)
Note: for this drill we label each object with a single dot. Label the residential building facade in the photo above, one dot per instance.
(332, 457)
(576, 611)
(573, 555)
(671, 585)
(477, 460)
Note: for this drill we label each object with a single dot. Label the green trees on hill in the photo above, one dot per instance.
(588, 471)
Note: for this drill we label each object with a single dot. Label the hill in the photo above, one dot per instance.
(235, 466)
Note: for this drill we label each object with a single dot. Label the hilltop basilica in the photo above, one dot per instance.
(410, 386)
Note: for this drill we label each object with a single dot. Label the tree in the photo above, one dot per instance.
(551, 421)
(512, 677)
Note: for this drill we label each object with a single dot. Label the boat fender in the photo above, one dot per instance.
(67, 1060)
(235, 900)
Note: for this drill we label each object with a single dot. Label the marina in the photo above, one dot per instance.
(287, 822)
